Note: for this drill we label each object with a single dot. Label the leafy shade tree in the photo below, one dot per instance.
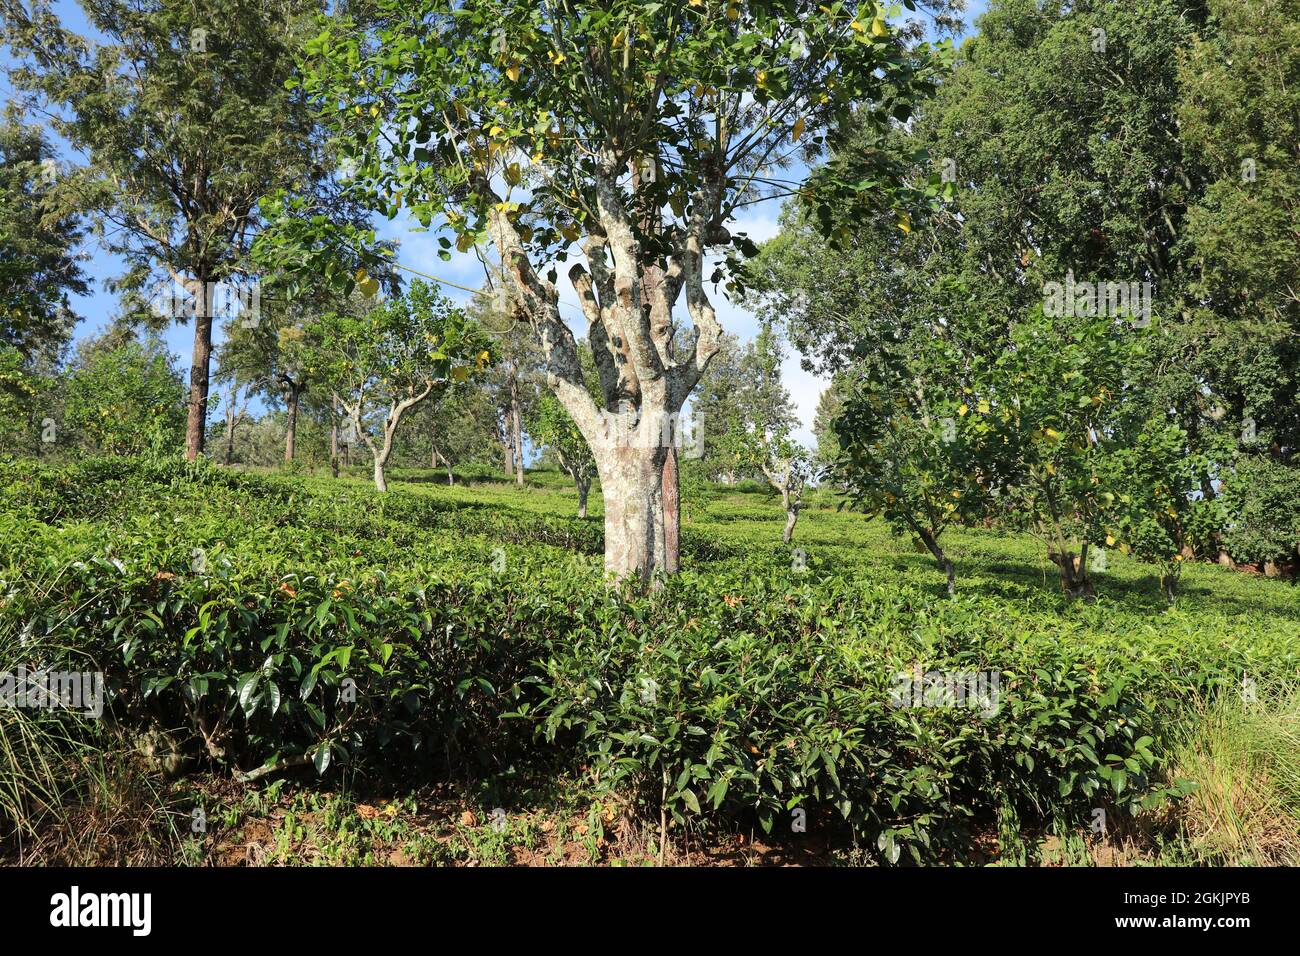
(1239, 120)
(183, 114)
(911, 443)
(1063, 398)
(386, 362)
(39, 235)
(275, 351)
(123, 396)
(235, 393)
(719, 410)
(459, 427)
(629, 132)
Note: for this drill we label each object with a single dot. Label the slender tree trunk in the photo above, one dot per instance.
(451, 475)
(291, 425)
(517, 433)
(945, 563)
(200, 369)
(334, 445)
(229, 456)
(584, 488)
(507, 447)
(791, 515)
(380, 483)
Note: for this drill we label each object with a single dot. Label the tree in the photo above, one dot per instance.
(186, 122)
(553, 428)
(513, 381)
(387, 361)
(628, 130)
(236, 391)
(718, 402)
(122, 395)
(39, 238)
(829, 407)
(910, 442)
(765, 441)
(1239, 120)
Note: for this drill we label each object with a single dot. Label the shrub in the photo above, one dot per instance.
(1262, 500)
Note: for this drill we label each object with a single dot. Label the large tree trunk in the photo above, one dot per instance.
(200, 368)
(631, 481)
(381, 485)
(291, 425)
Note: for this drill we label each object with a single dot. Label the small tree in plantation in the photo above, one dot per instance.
(386, 362)
(122, 395)
(553, 427)
(630, 132)
(910, 443)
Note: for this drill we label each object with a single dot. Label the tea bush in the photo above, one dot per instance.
(289, 619)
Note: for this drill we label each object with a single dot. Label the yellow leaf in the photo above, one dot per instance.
(962, 409)
(460, 373)
(513, 72)
(797, 131)
(369, 287)
(1110, 539)
(983, 408)
(856, 27)
(905, 223)
(733, 14)
(878, 27)
(1051, 433)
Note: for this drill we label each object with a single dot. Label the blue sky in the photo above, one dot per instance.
(419, 251)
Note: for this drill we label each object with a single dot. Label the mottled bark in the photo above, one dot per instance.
(631, 480)
(627, 298)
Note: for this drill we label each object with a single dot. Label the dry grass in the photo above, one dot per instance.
(1244, 757)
